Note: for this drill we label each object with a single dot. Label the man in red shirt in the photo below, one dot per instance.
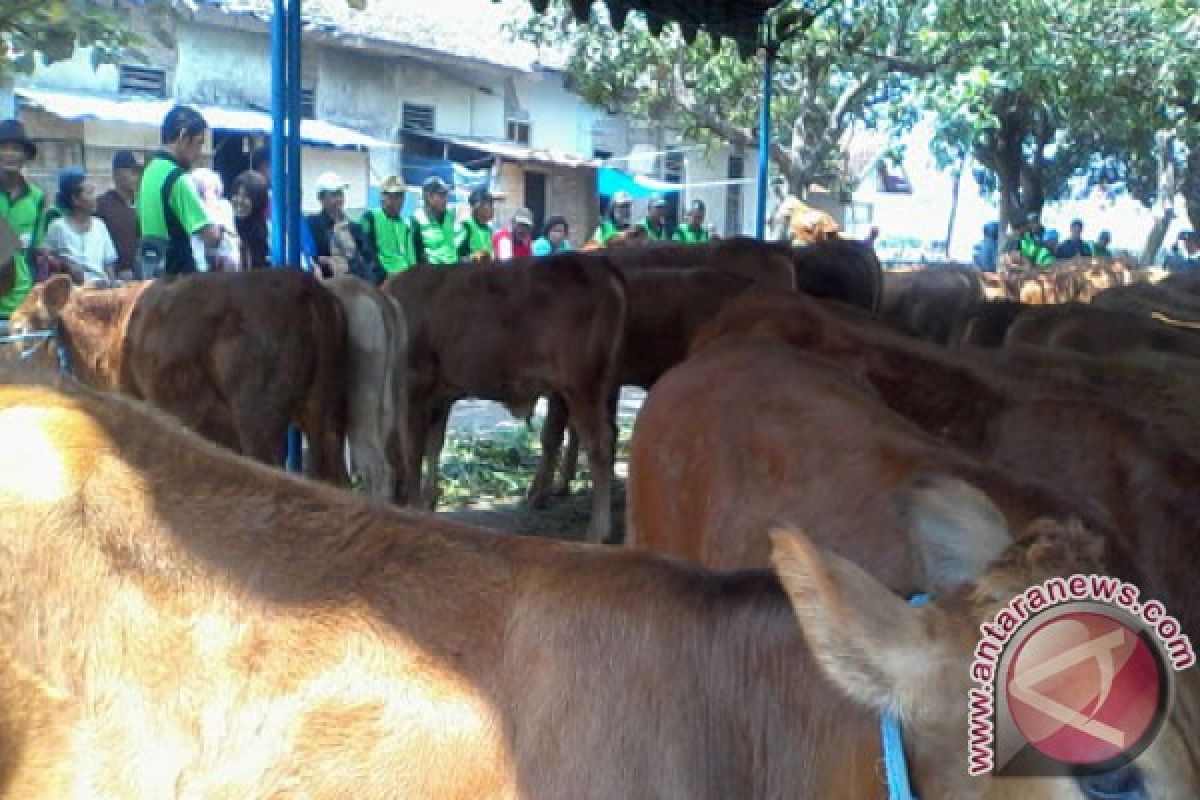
(516, 240)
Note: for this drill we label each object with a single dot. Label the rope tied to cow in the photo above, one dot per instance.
(40, 338)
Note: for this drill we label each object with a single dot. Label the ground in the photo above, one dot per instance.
(488, 462)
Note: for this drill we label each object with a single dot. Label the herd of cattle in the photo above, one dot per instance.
(821, 440)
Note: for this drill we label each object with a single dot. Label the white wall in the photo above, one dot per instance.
(560, 121)
(223, 67)
(75, 74)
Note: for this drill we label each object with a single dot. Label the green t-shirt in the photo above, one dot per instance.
(439, 240)
(152, 217)
(656, 234)
(26, 216)
(689, 235)
(393, 242)
(474, 238)
(605, 231)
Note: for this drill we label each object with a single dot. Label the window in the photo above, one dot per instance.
(733, 196)
(308, 103)
(418, 118)
(518, 131)
(673, 166)
(148, 81)
(602, 155)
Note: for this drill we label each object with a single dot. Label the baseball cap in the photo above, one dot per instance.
(330, 182)
(523, 217)
(125, 159)
(392, 184)
(480, 196)
(621, 198)
(435, 185)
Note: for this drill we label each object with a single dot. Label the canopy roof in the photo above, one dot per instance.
(736, 19)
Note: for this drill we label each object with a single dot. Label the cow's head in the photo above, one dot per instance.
(39, 312)
(915, 662)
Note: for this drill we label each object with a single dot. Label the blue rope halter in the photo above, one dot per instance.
(895, 764)
(39, 338)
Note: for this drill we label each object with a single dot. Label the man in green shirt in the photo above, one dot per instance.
(168, 208)
(23, 207)
(1031, 247)
(692, 231)
(433, 228)
(655, 223)
(620, 211)
(475, 235)
(1101, 248)
(387, 229)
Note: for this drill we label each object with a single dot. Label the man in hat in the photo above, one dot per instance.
(1184, 255)
(433, 228)
(338, 244)
(475, 235)
(516, 241)
(620, 213)
(116, 208)
(387, 229)
(169, 209)
(23, 207)
(655, 222)
(692, 231)
(1031, 247)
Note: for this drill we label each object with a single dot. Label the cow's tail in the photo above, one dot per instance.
(607, 336)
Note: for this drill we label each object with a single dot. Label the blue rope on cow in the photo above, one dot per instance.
(895, 764)
(64, 355)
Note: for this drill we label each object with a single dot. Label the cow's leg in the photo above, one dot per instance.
(434, 439)
(552, 433)
(595, 419)
(409, 484)
(570, 464)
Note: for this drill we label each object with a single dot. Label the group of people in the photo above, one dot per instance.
(654, 225)
(1038, 246)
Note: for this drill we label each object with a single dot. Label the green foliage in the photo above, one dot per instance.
(53, 29)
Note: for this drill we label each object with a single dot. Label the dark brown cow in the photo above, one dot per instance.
(1149, 299)
(178, 622)
(1073, 440)
(747, 435)
(985, 324)
(235, 356)
(1098, 331)
(511, 332)
(1187, 282)
(926, 302)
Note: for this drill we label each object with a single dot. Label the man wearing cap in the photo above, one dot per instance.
(516, 241)
(1031, 247)
(692, 231)
(475, 235)
(338, 245)
(655, 222)
(620, 212)
(433, 228)
(388, 231)
(116, 208)
(23, 207)
(169, 209)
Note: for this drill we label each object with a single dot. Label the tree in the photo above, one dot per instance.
(838, 72)
(53, 29)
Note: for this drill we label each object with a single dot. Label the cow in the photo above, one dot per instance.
(1187, 282)
(1147, 299)
(235, 356)
(511, 332)
(376, 392)
(181, 622)
(926, 302)
(749, 434)
(1098, 331)
(985, 324)
(1071, 438)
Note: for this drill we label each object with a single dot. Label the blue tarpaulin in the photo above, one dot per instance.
(609, 181)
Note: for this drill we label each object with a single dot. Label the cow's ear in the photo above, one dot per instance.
(867, 640)
(55, 294)
(955, 529)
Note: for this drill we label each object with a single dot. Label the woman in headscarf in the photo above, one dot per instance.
(250, 207)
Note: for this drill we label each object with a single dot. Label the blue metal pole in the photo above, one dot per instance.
(764, 142)
(278, 129)
(293, 184)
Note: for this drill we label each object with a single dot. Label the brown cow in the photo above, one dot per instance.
(1098, 331)
(376, 388)
(178, 622)
(235, 356)
(985, 324)
(1072, 439)
(750, 434)
(511, 332)
(1148, 299)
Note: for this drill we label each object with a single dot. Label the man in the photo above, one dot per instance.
(433, 229)
(1075, 246)
(475, 236)
(620, 212)
(23, 207)
(116, 208)
(169, 210)
(987, 248)
(515, 241)
(1031, 247)
(655, 223)
(692, 231)
(1184, 255)
(337, 245)
(387, 231)
(1101, 248)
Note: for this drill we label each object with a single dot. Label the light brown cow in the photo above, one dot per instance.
(1074, 440)
(376, 387)
(235, 356)
(177, 622)
(511, 332)
(751, 434)
(1098, 331)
